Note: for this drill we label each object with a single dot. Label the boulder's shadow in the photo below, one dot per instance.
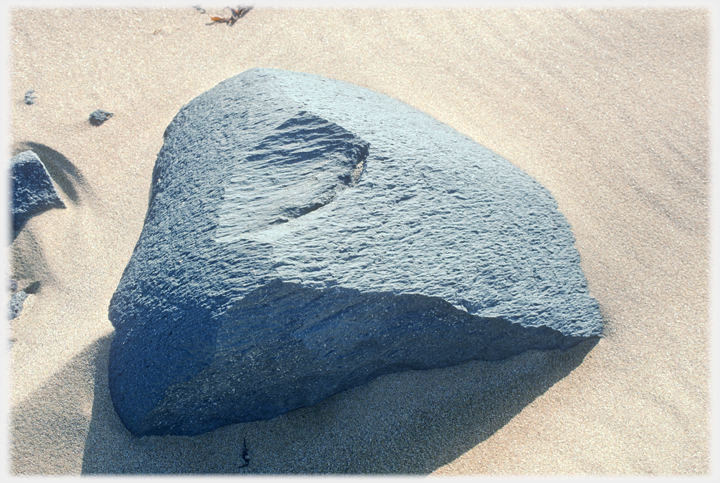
(406, 423)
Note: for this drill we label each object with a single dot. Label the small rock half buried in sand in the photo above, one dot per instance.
(17, 299)
(305, 235)
(32, 189)
(15, 305)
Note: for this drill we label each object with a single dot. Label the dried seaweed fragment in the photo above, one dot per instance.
(235, 15)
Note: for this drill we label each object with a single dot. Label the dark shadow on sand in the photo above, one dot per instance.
(52, 424)
(397, 424)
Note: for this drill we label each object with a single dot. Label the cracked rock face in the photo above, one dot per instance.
(301, 166)
(305, 235)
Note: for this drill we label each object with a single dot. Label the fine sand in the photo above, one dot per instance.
(608, 109)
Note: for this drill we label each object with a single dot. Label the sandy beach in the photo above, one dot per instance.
(608, 109)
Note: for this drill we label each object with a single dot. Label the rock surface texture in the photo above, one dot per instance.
(304, 236)
(32, 189)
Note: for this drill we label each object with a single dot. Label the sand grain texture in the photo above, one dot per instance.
(608, 109)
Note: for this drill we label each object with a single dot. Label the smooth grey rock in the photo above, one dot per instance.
(32, 189)
(305, 235)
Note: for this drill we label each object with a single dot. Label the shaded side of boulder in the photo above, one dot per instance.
(285, 346)
(32, 189)
(304, 236)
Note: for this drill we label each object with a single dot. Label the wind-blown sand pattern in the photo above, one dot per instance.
(608, 109)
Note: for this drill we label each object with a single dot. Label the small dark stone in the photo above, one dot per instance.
(98, 117)
(33, 288)
(30, 97)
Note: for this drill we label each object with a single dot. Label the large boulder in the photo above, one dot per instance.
(305, 235)
(32, 189)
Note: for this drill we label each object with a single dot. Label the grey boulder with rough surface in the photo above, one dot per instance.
(305, 235)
